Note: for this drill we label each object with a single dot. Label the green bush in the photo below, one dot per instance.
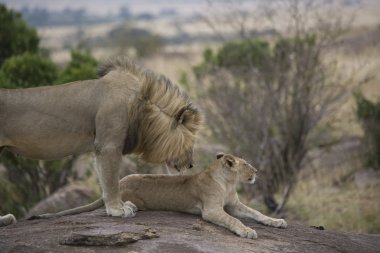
(27, 70)
(27, 181)
(241, 57)
(243, 54)
(3, 80)
(143, 41)
(81, 67)
(368, 113)
(16, 37)
(235, 56)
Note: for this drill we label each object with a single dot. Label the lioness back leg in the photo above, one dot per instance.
(242, 211)
(218, 216)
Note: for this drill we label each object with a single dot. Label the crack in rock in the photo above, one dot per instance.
(94, 238)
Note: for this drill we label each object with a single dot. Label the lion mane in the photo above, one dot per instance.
(163, 122)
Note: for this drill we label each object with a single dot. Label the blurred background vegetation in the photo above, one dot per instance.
(24, 65)
(290, 86)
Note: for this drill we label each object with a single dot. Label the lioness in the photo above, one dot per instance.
(211, 193)
(127, 110)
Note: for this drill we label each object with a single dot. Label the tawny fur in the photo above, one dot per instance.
(127, 110)
(211, 193)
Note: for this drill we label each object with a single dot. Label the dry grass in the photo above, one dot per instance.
(346, 207)
(333, 195)
(329, 195)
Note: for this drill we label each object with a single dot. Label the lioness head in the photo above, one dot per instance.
(238, 167)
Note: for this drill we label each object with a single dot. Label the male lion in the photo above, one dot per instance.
(211, 193)
(127, 110)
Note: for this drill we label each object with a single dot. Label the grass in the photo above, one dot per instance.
(321, 197)
(346, 207)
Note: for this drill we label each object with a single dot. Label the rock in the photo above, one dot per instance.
(2, 169)
(67, 197)
(168, 232)
(105, 237)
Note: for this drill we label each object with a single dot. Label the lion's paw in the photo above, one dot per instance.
(130, 209)
(127, 209)
(278, 223)
(247, 232)
(7, 220)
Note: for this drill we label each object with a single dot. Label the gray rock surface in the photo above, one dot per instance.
(170, 232)
(67, 197)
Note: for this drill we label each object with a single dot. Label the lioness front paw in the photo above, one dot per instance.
(277, 223)
(127, 209)
(247, 232)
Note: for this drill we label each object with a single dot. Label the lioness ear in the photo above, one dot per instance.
(230, 161)
(219, 155)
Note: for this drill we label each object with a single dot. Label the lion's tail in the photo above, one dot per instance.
(82, 209)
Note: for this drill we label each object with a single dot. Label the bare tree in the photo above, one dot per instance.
(266, 100)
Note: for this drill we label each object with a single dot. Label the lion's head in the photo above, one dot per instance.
(237, 167)
(163, 122)
(170, 139)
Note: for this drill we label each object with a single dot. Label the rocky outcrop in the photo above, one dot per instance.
(170, 232)
(69, 196)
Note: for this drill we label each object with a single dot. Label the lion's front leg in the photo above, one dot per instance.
(107, 166)
(242, 211)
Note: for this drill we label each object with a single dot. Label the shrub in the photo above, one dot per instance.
(16, 37)
(81, 67)
(28, 70)
(368, 113)
(264, 100)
